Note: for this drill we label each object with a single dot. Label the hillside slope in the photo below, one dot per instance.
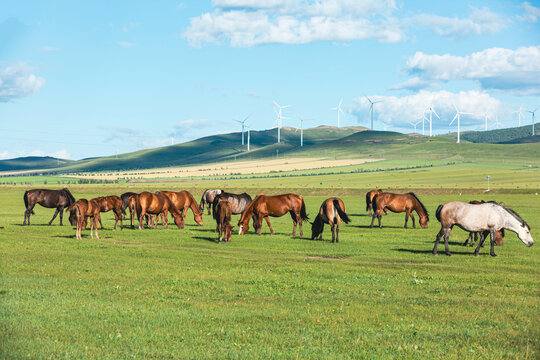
(32, 163)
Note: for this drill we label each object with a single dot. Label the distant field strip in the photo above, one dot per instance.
(228, 168)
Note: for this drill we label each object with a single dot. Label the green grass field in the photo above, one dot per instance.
(174, 293)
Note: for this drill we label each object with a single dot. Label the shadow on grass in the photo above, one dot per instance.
(211, 239)
(376, 227)
(412, 251)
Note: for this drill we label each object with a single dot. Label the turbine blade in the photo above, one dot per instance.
(437, 115)
(455, 117)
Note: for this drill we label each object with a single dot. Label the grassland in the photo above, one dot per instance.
(174, 293)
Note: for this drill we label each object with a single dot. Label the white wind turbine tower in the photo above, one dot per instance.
(279, 119)
(486, 118)
(371, 108)
(248, 137)
(339, 110)
(243, 125)
(431, 111)
(532, 113)
(519, 113)
(497, 123)
(458, 117)
(415, 124)
(301, 129)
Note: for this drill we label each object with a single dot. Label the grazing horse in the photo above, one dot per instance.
(264, 206)
(499, 235)
(108, 203)
(59, 199)
(238, 202)
(84, 209)
(208, 199)
(157, 204)
(331, 212)
(182, 201)
(399, 203)
(125, 199)
(222, 214)
(369, 198)
(489, 216)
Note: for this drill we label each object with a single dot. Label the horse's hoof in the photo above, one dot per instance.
(476, 254)
(448, 254)
(435, 254)
(493, 255)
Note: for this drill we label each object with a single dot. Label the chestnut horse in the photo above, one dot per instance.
(59, 199)
(84, 209)
(157, 204)
(264, 206)
(369, 198)
(108, 203)
(125, 199)
(399, 203)
(331, 212)
(182, 201)
(222, 214)
(208, 199)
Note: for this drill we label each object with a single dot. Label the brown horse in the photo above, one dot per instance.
(331, 212)
(157, 204)
(125, 200)
(369, 198)
(108, 203)
(222, 214)
(59, 199)
(84, 209)
(264, 206)
(399, 203)
(182, 201)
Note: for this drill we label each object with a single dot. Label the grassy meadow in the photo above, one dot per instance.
(174, 293)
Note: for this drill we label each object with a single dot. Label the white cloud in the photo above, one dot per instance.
(61, 154)
(414, 84)
(16, 81)
(531, 13)
(495, 68)
(186, 126)
(480, 21)
(125, 44)
(397, 112)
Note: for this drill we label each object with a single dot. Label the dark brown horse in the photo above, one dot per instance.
(157, 204)
(264, 206)
(331, 212)
(182, 201)
(208, 199)
(238, 202)
(59, 199)
(369, 198)
(83, 209)
(399, 203)
(125, 199)
(222, 214)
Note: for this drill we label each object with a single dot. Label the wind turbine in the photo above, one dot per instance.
(497, 123)
(243, 125)
(414, 124)
(458, 117)
(532, 112)
(486, 117)
(301, 129)
(248, 128)
(371, 108)
(339, 110)
(431, 111)
(519, 114)
(279, 119)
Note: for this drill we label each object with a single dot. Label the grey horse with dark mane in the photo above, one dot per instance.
(490, 216)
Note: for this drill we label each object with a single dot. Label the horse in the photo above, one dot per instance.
(369, 198)
(264, 206)
(157, 204)
(59, 199)
(125, 199)
(83, 209)
(499, 234)
(331, 212)
(238, 202)
(208, 199)
(222, 214)
(490, 216)
(108, 203)
(399, 203)
(182, 201)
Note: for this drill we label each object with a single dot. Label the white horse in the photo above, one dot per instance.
(489, 216)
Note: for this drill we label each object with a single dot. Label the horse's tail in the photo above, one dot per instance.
(368, 200)
(438, 212)
(303, 214)
(341, 213)
(201, 207)
(26, 201)
(374, 203)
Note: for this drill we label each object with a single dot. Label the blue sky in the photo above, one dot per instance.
(82, 79)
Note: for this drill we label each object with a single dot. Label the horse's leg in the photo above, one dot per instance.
(141, 217)
(369, 210)
(480, 244)
(61, 215)
(379, 217)
(337, 233)
(332, 227)
(295, 222)
(268, 222)
(95, 225)
(164, 218)
(372, 220)
(208, 207)
(54, 216)
(412, 218)
(446, 248)
(467, 240)
(492, 235)
(437, 239)
(406, 218)
(100, 223)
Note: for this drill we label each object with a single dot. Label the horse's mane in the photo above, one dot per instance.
(422, 205)
(68, 194)
(513, 213)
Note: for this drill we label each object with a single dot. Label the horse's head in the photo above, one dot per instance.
(72, 217)
(228, 232)
(243, 224)
(198, 218)
(424, 221)
(178, 220)
(524, 234)
(316, 227)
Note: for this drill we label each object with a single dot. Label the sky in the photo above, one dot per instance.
(94, 78)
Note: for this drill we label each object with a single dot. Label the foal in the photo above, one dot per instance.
(84, 209)
(222, 214)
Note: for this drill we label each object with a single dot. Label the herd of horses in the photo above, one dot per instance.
(481, 219)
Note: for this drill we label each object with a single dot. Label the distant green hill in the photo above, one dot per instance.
(515, 135)
(32, 162)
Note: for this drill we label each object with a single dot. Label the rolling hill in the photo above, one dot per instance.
(515, 135)
(32, 163)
